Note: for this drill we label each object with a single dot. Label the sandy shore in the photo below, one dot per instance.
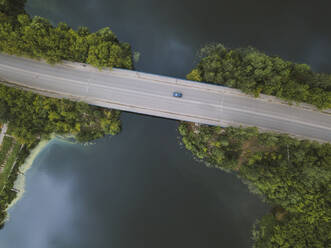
(20, 181)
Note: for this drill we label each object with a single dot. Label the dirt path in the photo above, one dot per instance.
(3, 132)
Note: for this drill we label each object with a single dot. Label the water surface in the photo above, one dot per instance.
(141, 188)
(169, 32)
(138, 189)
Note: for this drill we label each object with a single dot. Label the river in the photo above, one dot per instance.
(141, 188)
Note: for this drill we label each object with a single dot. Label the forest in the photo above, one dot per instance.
(36, 38)
(32, 117)
(291, 175)
(12, 155)
(254, 72)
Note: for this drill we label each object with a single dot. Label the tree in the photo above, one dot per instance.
(255, 72)
(4, 112)
(12, 7)
(293, 231)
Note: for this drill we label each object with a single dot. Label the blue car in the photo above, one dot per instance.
(177, 94)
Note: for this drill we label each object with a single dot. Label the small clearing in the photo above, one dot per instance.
(251, 146)
(3, 132)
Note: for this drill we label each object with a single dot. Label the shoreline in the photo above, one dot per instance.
(20, 181)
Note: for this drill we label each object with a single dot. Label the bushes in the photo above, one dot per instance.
(254, 72)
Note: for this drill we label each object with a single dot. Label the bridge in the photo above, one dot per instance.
(152, 95)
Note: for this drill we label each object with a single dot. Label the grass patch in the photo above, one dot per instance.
(5, 148)
(11, 158)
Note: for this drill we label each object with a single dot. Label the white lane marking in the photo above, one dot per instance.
(219, 91)
(222, 102)
(222, 106)
(45, 75)
(88, 84)
(124, 73)
(182, 99)
(202, 119)
(139, 76)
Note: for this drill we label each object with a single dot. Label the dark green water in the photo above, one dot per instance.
(142, 189)
(137, 189)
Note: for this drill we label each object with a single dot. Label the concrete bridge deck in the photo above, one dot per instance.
(152, 95)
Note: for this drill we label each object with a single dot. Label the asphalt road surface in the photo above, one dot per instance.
(152, 95)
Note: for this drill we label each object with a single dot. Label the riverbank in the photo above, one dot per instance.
(13, 154)
(20, 182)
(112, 182)
(22, 163)
(275, 167)
(33, 118)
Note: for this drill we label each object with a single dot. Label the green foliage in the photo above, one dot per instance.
(11, 8)
(254, 72)
(297, 177)
(6, 193)
(194, 75)
(5, 147)
(37, 38)
(294, 231)
(284, 171)
(219, 147)
(32, 116)
(7, 164)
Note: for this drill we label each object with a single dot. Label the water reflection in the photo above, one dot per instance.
(140, 188)
(295, 30)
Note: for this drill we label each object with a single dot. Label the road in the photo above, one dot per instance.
(152, 95)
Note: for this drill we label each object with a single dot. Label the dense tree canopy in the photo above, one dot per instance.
(11, 8)
(31, 115)
(294, 231)
(254, 72)
(4, 112)
(37, 38)
(296, 176)
(284, 171)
